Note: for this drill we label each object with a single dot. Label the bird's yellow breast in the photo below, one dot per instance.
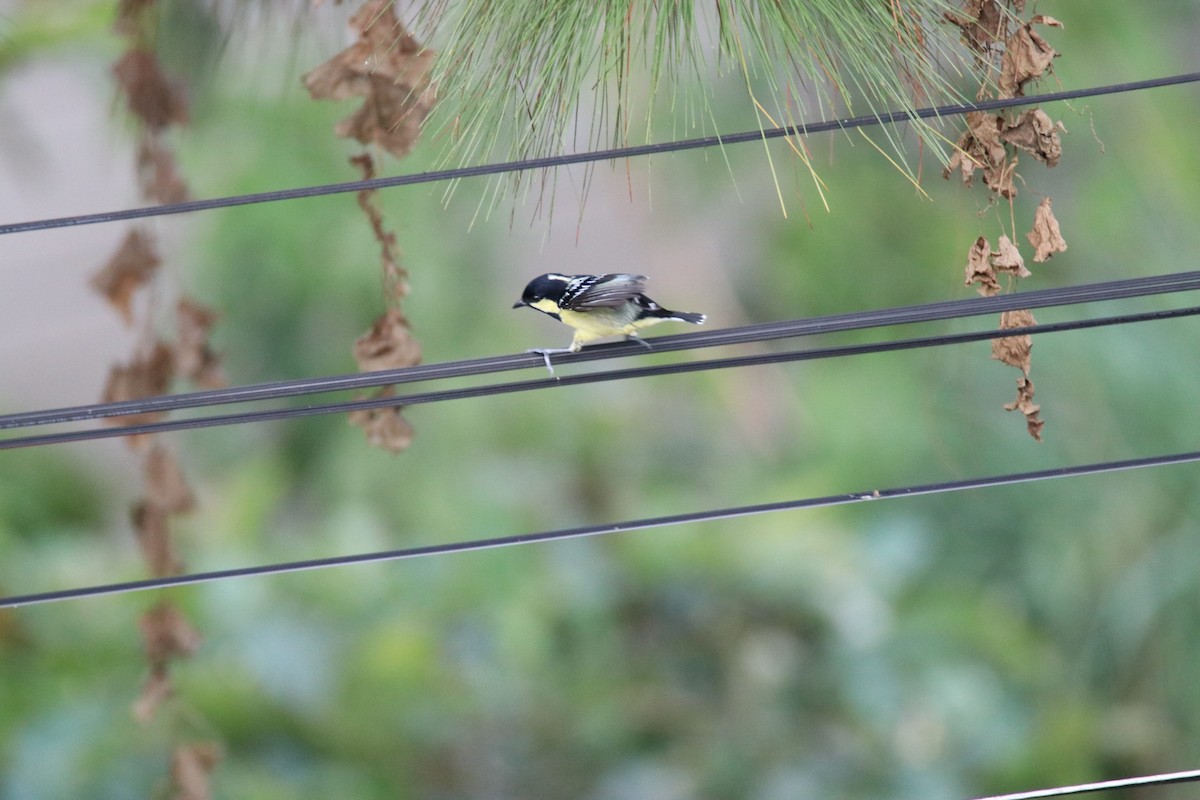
(598, 323)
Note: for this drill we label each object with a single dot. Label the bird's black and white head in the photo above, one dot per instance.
(544, 292)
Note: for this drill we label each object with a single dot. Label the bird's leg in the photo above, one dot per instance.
(633, 337)
(546, 352)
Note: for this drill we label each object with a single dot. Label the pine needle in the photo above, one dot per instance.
(518, 79)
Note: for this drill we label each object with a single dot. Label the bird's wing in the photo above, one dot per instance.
(602, 291)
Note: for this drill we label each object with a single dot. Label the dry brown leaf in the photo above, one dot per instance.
(1015, 350)
(151, 526)
(194, 357)
(980, 270)
(390, 70)
(979, 148)
(1027, 56)
(148, 375)
(156, 690)
(192, 766)
(985, 131)
(982, 24)
(157, 173)
(1024, 403)
(959, 160)
(167, 634)
(152, 98)
(1045, 236)
(395, 278)
(129, 268)
(388, 345)
(1008, 259)
(166, 487)
(388, 117)
(1035, 133)
(1047, 20)
(384, 427)
(1000, 179)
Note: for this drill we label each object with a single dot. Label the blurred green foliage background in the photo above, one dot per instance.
(936, 647)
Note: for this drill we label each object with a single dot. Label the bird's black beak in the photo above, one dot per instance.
(520, 303)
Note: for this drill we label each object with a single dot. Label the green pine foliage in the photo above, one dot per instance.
(518, 79)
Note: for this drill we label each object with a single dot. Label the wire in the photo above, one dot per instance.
(545, 162)
(1102, 786)
(860, 320)
(577, 380)
(561, 534)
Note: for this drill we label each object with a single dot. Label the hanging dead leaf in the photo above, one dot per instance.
(194, 357)
(1008, 259)
(1027, 56)
(148, 375)
(395, 278)
(389, 117)
(979, 269)
(1024, 403)
(151, 526)
(158, 175)
(384, 427)
(1045, 237)
(985, 131)
(153, 99)
(1035, 133)
(388, 345)
(390, 70)
(166, 487)
(167, 634)
(979, 148)
(129, 268)
(192, 766)
(983, 24)
(1015, 350)
(156, 690)
(1045, 19)
(1000, 179)
(959, 160)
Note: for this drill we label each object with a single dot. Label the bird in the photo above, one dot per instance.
(597, 306)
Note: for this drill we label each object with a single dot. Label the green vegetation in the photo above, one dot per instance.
(927, 648)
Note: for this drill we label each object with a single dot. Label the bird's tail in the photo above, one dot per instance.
(682, 316)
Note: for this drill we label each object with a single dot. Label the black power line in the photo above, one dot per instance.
(596, 530)
(459, 173)
(484, 390)
(859, 320)
(1164, 779)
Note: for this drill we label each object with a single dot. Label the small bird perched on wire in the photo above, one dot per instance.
(597, 306)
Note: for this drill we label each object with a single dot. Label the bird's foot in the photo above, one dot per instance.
(632, 338)
(545, 353)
